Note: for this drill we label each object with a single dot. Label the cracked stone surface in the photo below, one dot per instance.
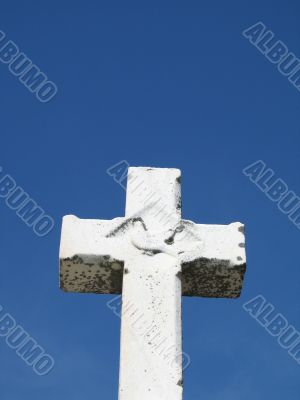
(153, 257)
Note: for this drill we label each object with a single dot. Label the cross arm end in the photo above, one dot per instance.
(216, 266)
(89, 261)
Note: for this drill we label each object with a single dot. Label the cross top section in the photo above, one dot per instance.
(93, 252)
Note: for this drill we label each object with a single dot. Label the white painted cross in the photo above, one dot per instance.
(152, 264)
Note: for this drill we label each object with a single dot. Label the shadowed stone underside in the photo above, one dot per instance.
(202, 274)
(104, 275)
(153, 257)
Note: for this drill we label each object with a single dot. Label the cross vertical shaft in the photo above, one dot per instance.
(151, 336)
(152, 257)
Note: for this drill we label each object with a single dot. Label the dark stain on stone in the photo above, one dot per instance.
(242, 229)
(212, 278)
(170, 239)
(151, 252)
(93, 274)
(242, 244)
(124, 226)
(179, 203)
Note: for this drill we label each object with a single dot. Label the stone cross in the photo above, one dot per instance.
(152, 257)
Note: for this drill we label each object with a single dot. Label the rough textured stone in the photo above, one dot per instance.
(93, 253)
(152, 257)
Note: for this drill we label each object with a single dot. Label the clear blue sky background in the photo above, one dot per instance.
(160, 83)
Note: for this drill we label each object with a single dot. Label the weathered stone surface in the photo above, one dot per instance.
(216, 267)
(152, 257)
(93, 253)
(90, 262)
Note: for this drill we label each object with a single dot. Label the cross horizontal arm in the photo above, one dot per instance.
(93, 252)
(152, 256)
(90, 261)
(215, 265)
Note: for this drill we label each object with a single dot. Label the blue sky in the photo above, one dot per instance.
(165, 84)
